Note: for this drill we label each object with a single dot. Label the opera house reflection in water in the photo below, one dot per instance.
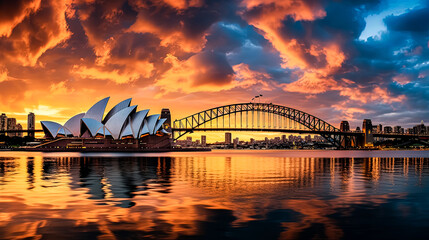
(213, 197)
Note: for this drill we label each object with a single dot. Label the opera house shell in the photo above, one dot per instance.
(121, 122)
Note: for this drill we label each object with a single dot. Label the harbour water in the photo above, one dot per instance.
(224, 194)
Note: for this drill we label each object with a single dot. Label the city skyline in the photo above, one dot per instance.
(367, 61)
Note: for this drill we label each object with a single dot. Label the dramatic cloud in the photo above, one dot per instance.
(67, 54)
(39, 27)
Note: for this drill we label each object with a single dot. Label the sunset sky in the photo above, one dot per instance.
(338, 60)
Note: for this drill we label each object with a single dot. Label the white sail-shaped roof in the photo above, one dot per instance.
(117, 121)
(159, 124)
(92, 125)
(127, 131)
(50, 128)
(164, 131)
(151, 122)
(124, 104)
(73, 124)
(96, 112)
(137, 121)
(145, 129)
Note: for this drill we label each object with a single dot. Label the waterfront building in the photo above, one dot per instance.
(367, 130)
(379, 128)
(203, 140)
(397, 129)
(31, 123)
(11, 125)
(420, 129)
(357, 129)
(19, 127)
(344, 126)
(3, 122)
(228, 138)
(388, 129)
(236, 142)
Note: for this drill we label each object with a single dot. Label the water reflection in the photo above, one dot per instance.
(213, 197)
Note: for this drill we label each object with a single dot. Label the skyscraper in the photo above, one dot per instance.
(3, 123)
(367, 130)
(18, 127)
(31, 123)
(11, 125)
(203, 140)
(379, 128)
(228, 138)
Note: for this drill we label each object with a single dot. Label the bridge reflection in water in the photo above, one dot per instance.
(240, 196)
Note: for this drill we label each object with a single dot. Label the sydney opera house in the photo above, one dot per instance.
(122, 128)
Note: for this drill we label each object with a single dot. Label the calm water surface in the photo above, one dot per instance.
(216, 195)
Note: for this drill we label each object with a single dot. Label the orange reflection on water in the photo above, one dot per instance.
(169, 197)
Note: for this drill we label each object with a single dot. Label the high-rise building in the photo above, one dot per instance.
(379, 128)
(420, 129)
(236, 141)
(203, 140)
(388, 129)
(165, 113)
(18, 127)
(397, 129)
(367, 130)
(11, 125)
(228, 138)
(344, 126)
(31, 123)
(284, 138)
(3, 123)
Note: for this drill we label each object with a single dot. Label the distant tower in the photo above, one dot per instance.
(228, 138)
(165, 113)
(18, 127)
(3, 123)
(367, 130)
(344, 126)
(379, 128)
(11, 125)
(203, 140)
(31, 123)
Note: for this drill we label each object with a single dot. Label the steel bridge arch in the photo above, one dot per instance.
(189, 123)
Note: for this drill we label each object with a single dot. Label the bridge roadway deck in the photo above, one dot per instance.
(299, 131)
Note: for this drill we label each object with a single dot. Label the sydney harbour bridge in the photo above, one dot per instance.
(268, 117)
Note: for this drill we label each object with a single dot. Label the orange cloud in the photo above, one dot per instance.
(173, 36)
(116, 76)
(183, 4)
(347, 111)
(197, 75)
(376, 94)
(27, 42)
(316, 60)
(311, 83)
(13, 12)
(401, 79)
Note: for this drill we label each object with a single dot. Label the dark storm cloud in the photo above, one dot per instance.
(415, 20)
